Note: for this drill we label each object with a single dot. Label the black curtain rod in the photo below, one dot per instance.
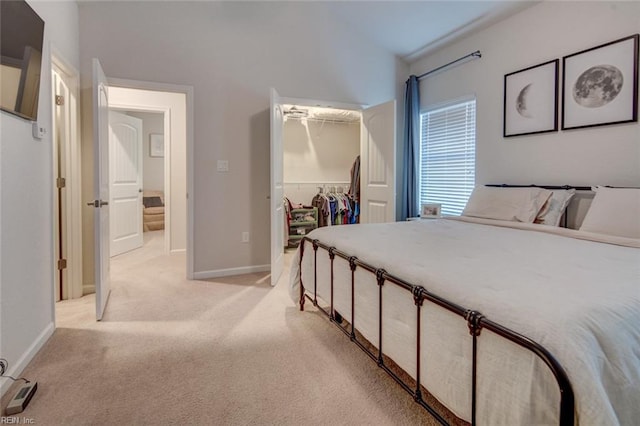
(475, 54)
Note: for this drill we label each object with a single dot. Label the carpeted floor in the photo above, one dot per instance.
(229, 351)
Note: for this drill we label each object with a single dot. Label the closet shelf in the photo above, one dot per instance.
(304, 223)
(304, 220)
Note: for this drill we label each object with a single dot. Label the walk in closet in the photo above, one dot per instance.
(321, 168)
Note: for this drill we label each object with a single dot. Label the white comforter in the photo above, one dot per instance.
(577, 297)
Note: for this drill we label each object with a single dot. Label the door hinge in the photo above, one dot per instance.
(62, 264)
(61, 182)
(59, 100)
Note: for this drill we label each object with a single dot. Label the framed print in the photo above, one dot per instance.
(430, 210)
(531, 100)
(600, 85)
(156, 145)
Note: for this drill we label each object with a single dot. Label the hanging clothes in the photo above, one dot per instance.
(321, 202)
(354, 187)
(287, 219)
(335, 207)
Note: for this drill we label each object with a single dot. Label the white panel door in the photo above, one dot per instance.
(101, 186)
(125, 182)
(377, 164)
(277, 189)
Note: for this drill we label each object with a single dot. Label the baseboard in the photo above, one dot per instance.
(201, 275)
(88, 289)
(16, 369)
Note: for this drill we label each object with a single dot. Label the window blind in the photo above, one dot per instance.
(448, 156)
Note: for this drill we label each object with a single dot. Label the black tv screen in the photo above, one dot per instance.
(21, 35)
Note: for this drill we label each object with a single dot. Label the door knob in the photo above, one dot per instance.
(98, 203)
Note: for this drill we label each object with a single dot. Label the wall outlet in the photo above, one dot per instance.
(245, 237)
(223, 165)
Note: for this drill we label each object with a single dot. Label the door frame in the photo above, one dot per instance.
(188, 91)
(73, 287)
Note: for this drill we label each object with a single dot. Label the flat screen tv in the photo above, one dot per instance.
(21, 35)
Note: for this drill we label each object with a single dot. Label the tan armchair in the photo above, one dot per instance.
(153, 215)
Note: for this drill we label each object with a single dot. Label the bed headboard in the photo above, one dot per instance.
(577, 208)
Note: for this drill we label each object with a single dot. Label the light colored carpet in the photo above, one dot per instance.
(230, 351)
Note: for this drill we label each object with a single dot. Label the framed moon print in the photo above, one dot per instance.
(531, 100)
(600, 85)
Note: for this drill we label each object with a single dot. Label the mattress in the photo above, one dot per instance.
(577, 294)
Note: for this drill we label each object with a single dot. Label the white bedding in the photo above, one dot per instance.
(579, 298)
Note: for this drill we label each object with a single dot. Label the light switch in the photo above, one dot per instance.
(223, 165)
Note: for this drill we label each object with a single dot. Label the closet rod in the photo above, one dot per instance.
(475, 54)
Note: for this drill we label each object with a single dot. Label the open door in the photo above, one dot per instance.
(101, 186)
(277, 189)
(377, 164)
(125, 182)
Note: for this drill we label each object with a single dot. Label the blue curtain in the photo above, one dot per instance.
(411, 144)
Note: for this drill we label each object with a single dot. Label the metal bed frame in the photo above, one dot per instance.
(475, 321)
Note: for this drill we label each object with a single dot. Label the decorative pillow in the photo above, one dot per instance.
(555, 207)
(514, 204)
(614, 211)
(152, 202)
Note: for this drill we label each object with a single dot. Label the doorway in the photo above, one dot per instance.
(377, 166)
(321, 168)
(166, 146)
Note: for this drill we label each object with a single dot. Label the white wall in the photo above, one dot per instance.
(26, 212)
(317, 152)
(549, 30)
(152, 167)
(232, 53)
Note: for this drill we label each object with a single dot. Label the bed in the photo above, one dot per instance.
(503, 322)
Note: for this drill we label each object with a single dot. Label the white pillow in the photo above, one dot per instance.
(555, 206)
(614, 211)
(514, 204)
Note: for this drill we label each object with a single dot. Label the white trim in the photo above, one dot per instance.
(202, 275)
(88, 289)
(17, 369)
(189, 93)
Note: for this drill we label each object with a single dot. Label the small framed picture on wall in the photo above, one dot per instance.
(430, 210)
(531, 100)
(156, 145)
(600, 85)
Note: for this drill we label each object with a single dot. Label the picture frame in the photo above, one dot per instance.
(531, 100)
(430, 210)
(600, 85)
(156, 145)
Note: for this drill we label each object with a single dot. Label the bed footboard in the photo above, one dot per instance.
(475, 320)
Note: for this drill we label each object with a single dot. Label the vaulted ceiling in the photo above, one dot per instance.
(412, 28)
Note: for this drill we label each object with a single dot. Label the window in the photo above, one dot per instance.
(448, 155)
